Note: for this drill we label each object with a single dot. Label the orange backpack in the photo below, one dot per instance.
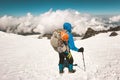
(57, 40)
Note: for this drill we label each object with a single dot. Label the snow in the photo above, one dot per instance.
(29, 58)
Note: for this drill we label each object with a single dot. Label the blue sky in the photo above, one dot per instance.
(36, 7)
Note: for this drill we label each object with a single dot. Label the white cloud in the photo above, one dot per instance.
(51, 20)
(115, 18)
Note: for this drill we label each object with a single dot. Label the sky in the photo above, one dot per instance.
(36, 7)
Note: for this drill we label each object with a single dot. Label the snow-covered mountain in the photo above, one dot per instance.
(51, 20)
(29, 58)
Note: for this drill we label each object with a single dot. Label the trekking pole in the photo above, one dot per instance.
(83, 61)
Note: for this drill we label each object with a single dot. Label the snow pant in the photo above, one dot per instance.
(65, 57)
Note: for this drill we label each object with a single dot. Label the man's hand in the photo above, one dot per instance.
(81, 49)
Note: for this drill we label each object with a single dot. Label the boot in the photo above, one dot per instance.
(70, 68)
(72, 71)
(61, 71)
(61, 68)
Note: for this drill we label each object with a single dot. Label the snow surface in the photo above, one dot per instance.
(29, 58)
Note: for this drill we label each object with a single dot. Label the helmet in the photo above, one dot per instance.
(64, 36)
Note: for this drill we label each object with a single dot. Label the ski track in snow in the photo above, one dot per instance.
(27, 58)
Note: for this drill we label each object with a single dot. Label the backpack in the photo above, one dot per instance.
(57, 42)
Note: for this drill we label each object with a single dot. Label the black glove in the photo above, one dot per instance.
(81, 49)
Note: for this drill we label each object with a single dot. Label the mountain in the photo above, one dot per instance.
(90, 32)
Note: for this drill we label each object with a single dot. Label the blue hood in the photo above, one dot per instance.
(67, 26)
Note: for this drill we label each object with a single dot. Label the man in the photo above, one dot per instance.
(66, 57)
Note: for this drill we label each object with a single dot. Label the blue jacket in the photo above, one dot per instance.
(71, 44)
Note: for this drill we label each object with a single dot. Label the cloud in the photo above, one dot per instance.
(51, 20)
(115, 18)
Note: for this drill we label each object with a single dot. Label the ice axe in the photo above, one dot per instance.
(83, 61)
(82, 50)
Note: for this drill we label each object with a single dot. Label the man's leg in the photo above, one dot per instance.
(70, 61)
(61, 62)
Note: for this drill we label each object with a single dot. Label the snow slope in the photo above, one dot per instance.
(27, 58)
